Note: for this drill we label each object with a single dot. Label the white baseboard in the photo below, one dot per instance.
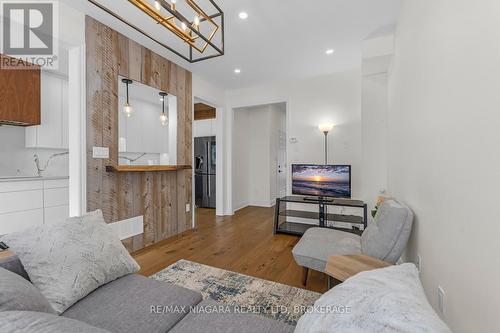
(241, 206)
(259, 203)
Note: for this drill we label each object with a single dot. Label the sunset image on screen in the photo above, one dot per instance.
(322, 180)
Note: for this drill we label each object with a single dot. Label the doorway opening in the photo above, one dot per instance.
(259, 155)
(205, 156)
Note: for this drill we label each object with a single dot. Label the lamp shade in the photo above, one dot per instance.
(326, 127)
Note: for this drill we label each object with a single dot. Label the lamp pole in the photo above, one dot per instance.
(326, 128)
(326, 147)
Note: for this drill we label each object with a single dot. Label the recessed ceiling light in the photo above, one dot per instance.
(237, 71)
(243, 15)
(330, 51)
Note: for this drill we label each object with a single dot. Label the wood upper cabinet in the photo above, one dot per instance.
(19, 95)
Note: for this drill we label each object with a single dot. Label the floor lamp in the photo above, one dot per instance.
(326, 128)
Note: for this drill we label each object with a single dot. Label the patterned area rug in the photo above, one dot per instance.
(273, 300)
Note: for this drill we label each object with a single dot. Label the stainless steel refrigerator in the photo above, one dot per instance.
(205, 166)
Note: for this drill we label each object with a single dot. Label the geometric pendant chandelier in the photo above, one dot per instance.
(199, 28)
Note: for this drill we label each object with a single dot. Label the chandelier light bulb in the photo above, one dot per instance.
(196, 20)
(183, 26)
(157, 5)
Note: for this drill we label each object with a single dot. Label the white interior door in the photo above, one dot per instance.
(282, 167)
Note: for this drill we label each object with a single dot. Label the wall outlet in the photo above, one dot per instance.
(188, 208)
(441, 301)
(100, 152)
(419, 263)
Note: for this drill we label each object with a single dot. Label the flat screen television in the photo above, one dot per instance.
(332, 181)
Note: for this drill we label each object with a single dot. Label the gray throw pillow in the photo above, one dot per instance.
(18, 294)
(38, 322)
(389, 300)
(66, 261)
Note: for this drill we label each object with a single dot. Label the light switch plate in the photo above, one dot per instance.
(100, 152)
(188, 208)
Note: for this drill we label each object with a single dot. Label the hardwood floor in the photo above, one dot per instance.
(242, 243)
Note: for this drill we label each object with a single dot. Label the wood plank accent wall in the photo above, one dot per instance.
(160, 196)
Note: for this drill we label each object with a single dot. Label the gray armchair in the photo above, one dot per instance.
(384, 239)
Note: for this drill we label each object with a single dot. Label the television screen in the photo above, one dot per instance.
(322, 180)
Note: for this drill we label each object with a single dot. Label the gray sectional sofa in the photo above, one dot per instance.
(77, 276)
(135, 303)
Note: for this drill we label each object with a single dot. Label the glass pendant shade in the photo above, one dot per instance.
(163, 114)
(128, 110)
(164, 119)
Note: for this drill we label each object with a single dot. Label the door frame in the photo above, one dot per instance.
(278, 192)
(230, 146)
(220, 142)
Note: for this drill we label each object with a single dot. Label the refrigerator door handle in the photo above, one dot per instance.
(208, 165)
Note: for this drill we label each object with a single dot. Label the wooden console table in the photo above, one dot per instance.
(343, 267)
(284, 226)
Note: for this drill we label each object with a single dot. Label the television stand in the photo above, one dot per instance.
(319, 218)
(317, 199)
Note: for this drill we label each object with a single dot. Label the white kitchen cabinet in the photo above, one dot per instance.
(30, 203)
(202, 128)
(16, 221)
(52, 133)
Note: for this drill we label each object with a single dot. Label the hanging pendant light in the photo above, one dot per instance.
(127, 109)
(163, 115)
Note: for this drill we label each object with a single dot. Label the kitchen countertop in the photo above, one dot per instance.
(29, 178)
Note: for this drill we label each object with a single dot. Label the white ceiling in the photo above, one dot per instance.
(280, 40)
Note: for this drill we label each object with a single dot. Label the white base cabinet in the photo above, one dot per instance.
(31, 203)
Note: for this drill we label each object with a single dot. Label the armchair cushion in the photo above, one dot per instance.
(387, 236)
(317, 244)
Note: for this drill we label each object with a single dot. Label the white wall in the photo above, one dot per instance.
(333, 98)
(374, 138)
(443, 151)
(241, 189)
